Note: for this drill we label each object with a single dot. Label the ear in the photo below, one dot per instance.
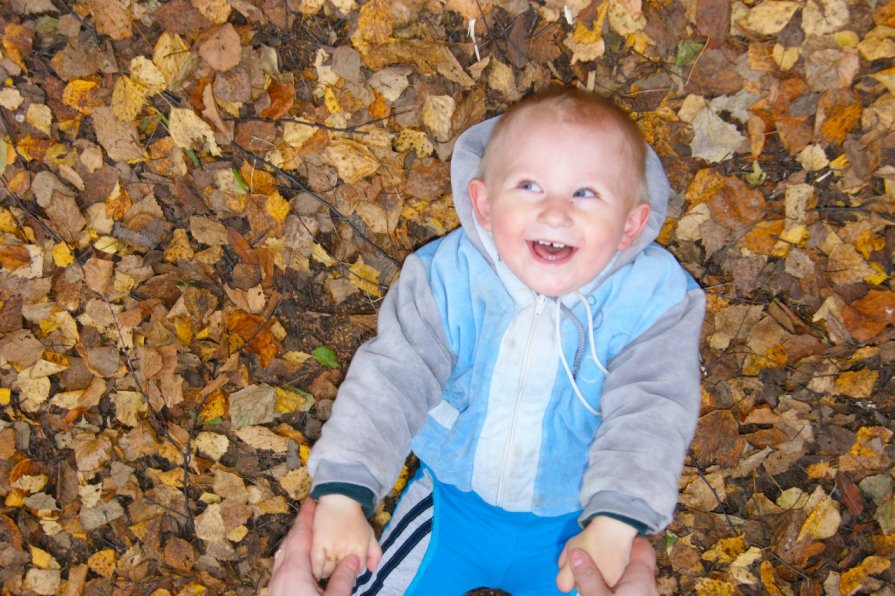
(634, 224)
(478, 195)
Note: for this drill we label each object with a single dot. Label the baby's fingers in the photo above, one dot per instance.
(565, 581)
(322, 565)
(374, 554)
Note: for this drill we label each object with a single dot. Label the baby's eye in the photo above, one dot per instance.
(584, 192)
(529, 185)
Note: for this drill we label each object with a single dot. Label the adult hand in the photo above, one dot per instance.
(639, 578)
(292, 563)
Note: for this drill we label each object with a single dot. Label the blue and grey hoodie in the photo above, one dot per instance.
(586, 402)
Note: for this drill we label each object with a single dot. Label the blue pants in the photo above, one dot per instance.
(442, 541)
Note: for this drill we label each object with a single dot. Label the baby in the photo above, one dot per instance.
(541, 361)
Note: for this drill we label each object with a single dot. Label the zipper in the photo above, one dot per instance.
(540, 304)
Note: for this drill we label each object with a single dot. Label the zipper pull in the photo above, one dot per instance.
(540, 303)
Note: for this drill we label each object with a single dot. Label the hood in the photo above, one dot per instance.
(465, 163)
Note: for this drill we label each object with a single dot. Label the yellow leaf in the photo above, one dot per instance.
(179, 248)
(352, 160)
(215, 407)
(296, 134)
(5, 396)
(726, 550)
(365, 278)
(237, 533)
(15, 498)
(867, 437)
(183, 329)
(147, 75)
(714, 587)
(127, 99)
(321, 256)
(852, 580)
(626, 16)
(7, 221)
(172, 477)
(785, 57)
(823, 521)
(374, 22)
(189, 131)
(304, 452)
(42, 559)
(437, 113)
(80, 95)
(215, 11)
(277, 206)
(856, 383)
(103, 562)
(170, 55)
(582, 34)
(40, 116)
(62, 255)
(331, 101)
(289, 401)
(769, 18)
(415, 140)
(887, 78)
(879, 277)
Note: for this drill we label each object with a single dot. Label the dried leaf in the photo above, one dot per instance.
(191, 132)
(221, 49)
(769, 17)
(714, 139)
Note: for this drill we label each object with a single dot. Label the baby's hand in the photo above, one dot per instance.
(608, 542)
(341, 530)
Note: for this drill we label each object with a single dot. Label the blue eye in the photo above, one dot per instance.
(584, 193)
(529, 185)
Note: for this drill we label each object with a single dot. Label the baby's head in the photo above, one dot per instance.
(562, 187)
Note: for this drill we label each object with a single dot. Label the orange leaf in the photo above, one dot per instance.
(843, 113)
(17, 42)
(258, 181)
(13, 257)
(242, 247)
(282, 96)
(868, 317)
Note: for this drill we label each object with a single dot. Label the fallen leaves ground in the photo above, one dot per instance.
(204, 200)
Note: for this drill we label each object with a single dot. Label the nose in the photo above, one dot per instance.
(556, 211)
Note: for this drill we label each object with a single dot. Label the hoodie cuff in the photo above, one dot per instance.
(364, 496)
(642, 529)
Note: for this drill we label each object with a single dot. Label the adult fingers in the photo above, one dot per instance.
(341, 582)
(639, 578)
(586, 575)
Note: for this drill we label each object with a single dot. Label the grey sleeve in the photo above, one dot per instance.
(650, 406)
(393, 381)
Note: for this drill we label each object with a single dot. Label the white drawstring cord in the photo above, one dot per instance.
(590, 334)
(565, 363)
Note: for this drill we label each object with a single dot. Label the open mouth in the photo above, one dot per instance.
(551, 252)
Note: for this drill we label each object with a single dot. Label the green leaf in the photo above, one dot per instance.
(325, 356)
(686, 51)
(758, 175)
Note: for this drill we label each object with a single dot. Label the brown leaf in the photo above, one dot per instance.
(179, 554)
(92, 452)
(242, 248)
(717, 439)
(98, 275)
(111, 18)
(221, 49)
